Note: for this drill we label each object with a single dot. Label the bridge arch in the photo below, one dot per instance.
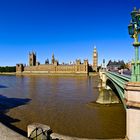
(117, 90)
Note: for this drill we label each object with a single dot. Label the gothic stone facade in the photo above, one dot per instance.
(95, 59)
(53, 68)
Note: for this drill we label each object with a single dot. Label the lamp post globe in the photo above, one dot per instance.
(138, 21)
(131, 29)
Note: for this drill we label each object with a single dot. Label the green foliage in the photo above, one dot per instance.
(8, 69)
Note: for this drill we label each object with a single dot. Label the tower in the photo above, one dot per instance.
(95, 59)
(32, 59)
(53, 59)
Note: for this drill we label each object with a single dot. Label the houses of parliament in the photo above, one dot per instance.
(54, 67)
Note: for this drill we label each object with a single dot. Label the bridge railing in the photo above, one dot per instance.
(119, 79)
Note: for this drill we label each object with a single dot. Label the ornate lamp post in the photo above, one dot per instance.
(134, 31)
(132, 88)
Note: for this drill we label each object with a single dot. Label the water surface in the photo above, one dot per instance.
(66, 104)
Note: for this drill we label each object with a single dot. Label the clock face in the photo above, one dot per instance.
(95, 54)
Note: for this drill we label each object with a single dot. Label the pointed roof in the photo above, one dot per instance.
(95, 50)
(53, 55)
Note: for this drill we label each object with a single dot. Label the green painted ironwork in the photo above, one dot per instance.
(119, 82)
(134, 31)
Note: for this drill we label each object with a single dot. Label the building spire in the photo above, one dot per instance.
(95, 59)
(53, 59)
(53, 55)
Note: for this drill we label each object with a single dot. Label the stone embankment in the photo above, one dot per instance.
(7, 73)
(8, 134)
(41, 127)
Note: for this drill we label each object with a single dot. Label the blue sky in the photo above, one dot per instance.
(67, 28)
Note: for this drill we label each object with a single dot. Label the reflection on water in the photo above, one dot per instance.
(67, 104)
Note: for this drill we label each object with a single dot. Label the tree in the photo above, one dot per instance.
(8, 69)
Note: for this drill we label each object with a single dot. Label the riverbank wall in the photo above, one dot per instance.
(7, 73)
(52, 74)
(49, 74)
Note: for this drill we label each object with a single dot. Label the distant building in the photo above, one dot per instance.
(115, 65)
(32, 59)
(53, 68)
(47, 61)
(95, 59)
(128, 65)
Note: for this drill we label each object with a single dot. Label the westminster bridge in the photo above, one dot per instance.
(128, 92)
(128, 88)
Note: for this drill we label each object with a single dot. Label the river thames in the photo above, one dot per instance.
(66, 104)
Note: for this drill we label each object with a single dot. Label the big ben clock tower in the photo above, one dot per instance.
(95, 59)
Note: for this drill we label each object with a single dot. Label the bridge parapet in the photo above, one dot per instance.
(118, 79)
